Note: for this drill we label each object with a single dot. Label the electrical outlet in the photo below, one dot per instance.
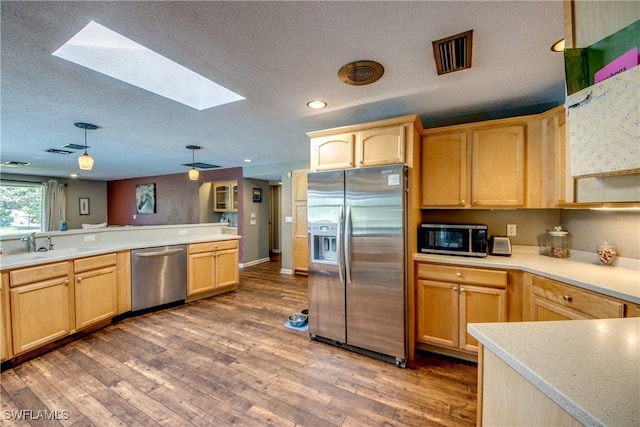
(90, 238)
(511, 229)
(182, 232)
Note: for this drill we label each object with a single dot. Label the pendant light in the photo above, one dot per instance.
(85, 162)
(193, 172)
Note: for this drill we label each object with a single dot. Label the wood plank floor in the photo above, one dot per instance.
(228, 360)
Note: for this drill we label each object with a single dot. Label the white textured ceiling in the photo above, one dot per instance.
(278, 55)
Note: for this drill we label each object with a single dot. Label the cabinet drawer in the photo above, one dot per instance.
(462, 275)
(91, 263)
(591, 304)
(213, 246)
(39, 273)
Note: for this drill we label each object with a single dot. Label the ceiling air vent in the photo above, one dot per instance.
(361, 73)
(14, 164)
(453, 53)
(75, 146)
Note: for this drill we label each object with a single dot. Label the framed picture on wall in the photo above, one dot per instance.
(146, 198)
(257, 195)
(84, 206)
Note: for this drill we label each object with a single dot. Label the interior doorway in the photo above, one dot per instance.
(275, 226)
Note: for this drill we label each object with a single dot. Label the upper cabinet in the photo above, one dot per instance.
(372, 144)
(225, 196)
(481, 165)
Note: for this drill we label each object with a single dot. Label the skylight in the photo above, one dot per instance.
(105, 51)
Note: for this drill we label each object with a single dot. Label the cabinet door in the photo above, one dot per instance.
(438, 313)
(333, 152)
(5, 321)
(227, 272)
(381, 146)
(221, 197)
(96, 294)
(300, 239)
(497, 169)
(480, 305)
(201, 273)
(444, 170)
(40, 313)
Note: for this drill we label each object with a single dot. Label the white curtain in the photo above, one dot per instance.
(54, 206)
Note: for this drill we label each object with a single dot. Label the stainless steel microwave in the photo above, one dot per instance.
(453, 239)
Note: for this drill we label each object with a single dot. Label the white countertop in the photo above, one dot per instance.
(590, 368)
(8, 262)
(617, 282)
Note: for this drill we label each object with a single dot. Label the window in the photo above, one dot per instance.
(20, 208)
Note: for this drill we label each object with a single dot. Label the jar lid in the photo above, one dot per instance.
(558, 231)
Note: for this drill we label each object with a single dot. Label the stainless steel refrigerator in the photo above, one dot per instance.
(357, 248)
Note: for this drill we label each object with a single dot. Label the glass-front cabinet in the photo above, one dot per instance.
(225, 196)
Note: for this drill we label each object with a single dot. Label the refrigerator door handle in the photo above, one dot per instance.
(347, 245)
(339, 248)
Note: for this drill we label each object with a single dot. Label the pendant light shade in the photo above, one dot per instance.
(193, 172)
(85, 162)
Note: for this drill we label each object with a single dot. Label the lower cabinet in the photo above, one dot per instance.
(40, 305)
(212, 267)
(547, 299)
(450, 297)
(96, 289)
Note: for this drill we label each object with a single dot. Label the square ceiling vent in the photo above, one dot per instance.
(453, 53)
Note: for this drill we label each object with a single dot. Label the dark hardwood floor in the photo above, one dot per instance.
(229, 360)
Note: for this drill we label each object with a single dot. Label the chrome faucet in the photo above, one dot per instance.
(31, 241)
(50, 244)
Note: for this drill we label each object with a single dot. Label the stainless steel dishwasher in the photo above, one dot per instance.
(158, 276)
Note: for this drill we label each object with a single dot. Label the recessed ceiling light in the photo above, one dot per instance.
(105, 51)
(558, 46)
(316, 104)
(73, 175)
(247, 160)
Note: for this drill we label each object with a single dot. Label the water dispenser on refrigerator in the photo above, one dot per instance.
(324, 243)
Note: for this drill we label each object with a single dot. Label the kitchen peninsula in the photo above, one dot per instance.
(86, 280)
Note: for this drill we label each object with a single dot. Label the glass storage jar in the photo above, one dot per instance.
(558, 246)
(607, 252)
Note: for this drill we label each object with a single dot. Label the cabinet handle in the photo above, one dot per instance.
(461, 289)
(65, 282)
(459, 274)
(455, 289)
(567, 298)
(78, 279)
(475, 202)
(462, 202)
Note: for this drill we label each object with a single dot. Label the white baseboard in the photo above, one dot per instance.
(286, 271)
(250, 263)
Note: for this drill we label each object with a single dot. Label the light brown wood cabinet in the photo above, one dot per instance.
(40, 305)
(300, 231)
(478, 166)
(212, 267)
(5, 321)
(225, 196)
(547, 299)
(96, 289)
(450, 297)
(378, 143)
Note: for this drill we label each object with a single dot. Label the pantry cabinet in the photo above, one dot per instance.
(212, 267)
(300, 232)
(40, 305)
(450, 297)
(96, 289)
(547, 299)
(378, 143)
